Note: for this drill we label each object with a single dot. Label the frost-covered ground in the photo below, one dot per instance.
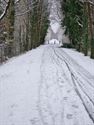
(47, 86)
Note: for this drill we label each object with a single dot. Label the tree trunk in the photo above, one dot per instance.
(92, 38)
(91, 12)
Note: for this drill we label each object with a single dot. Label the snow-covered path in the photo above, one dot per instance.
(46, 87)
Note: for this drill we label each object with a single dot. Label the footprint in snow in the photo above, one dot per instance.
(65, 98)
(69, 91)
(75, 106)
(14, 105)
(69, 116)
(11, 114)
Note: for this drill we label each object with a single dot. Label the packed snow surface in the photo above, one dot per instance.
(47, 86)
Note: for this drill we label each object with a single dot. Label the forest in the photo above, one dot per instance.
(24, 24)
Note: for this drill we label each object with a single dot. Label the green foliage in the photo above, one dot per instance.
(74, 20)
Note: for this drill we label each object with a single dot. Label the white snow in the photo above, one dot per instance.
(4, 5)
(19, 83)
(47, 86)
(55, 27)
(82, 60)
(55, 30)
(54, 41)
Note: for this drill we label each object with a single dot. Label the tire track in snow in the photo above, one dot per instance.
(56, 105)
(60, 115)
(89, 86)
(79, 69)
(49, 102)
(78, 86)
(43, 104)
(68, 113)
(82, 83)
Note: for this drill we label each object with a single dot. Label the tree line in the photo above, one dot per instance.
(79, 21)
(25, 23)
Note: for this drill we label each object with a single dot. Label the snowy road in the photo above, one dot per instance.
(46, 87)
